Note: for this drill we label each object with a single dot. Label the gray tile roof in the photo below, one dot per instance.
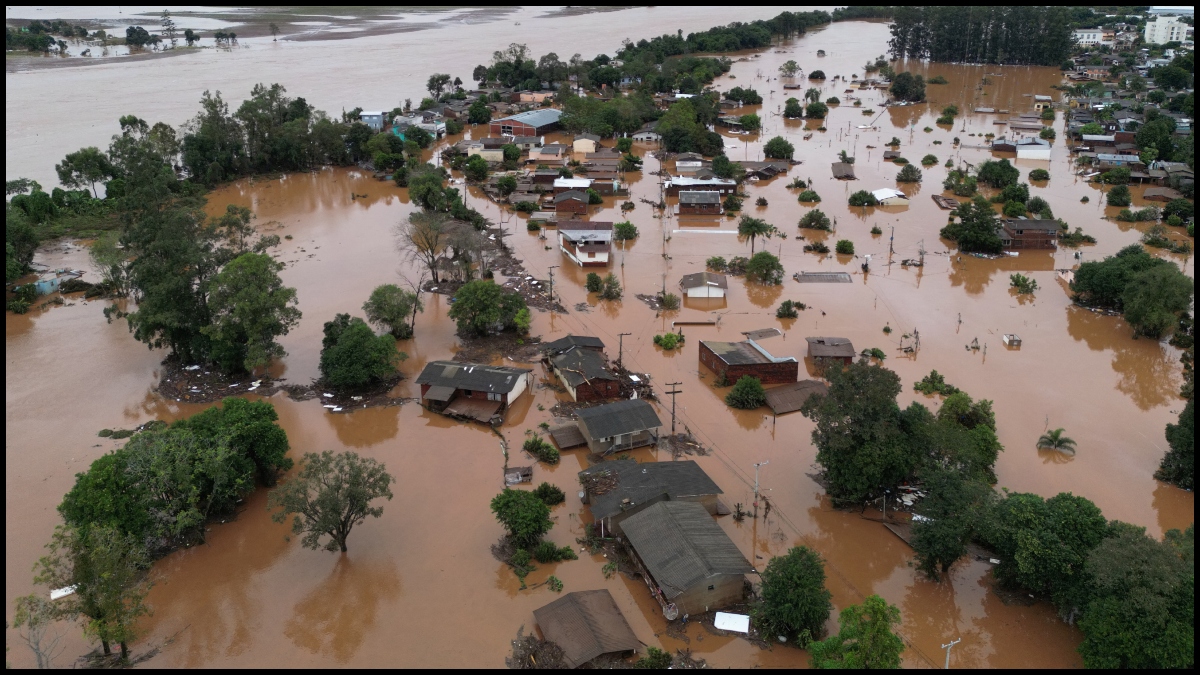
(837, 347)
(735, 353)
(700, 279)
(586, 624)
(681, 546)
(583, 365)
(564, 343)
(471, 376)
(641, 482)
(570, 194)
(622, 417)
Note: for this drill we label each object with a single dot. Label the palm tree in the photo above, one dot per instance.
(754, 227)
(812, 95)
(1055, 440)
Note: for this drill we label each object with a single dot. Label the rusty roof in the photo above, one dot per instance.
(586, 624)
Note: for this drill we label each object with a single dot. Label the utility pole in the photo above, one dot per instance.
(552, 268)
(672, 393)
(621, 348)
(756, 467)
(891, 241)
(947, 648)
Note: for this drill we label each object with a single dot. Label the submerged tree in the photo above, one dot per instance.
(331, 494)
(250, 309)
(1055, 440)
(391, 307)
(865, 641)
(525, 516)
(795, 602)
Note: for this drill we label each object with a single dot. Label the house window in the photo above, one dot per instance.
(493, 397)
(711, 587)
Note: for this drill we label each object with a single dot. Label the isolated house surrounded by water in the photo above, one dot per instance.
(623, 425)
(476, 391)
(890, 197)
(1022, 233)
(733, 360)
(826, 350)
(586, 624)
(704, 285)
(616, 490)
(699, 202)
(587, 244)
(571, 201)
(532, 123)
(687, 560)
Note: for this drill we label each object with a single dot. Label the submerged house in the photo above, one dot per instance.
(571, 201)
(825, 350)
(623, 425)
(699, 202)
(587, 244)
(733, 360)
(704, 285)
(687, 560)
(1024, 233)
(843, 171)
(586, 624)
(617, 490)
(1033, 148)
(675, 184)
(585, 373)
(890, 197)
(473, 390)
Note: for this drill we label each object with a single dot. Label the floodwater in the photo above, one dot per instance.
(419, 586)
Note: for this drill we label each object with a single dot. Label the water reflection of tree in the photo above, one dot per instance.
(844, 533)
(762, 295)
(931, 610)
(1148, 375)
(334, 617)
(974, 274)
(362, 429)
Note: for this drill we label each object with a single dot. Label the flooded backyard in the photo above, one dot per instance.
(418, 587)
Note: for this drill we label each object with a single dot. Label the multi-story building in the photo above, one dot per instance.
(1164, 29)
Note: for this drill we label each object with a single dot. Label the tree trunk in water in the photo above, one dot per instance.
(107, 647)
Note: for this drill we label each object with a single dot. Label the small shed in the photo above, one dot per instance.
(890, 197)
(704, 285)
(699, 202)
(571, 201)
(616, 490)
(791, 397)
(843, 171)
(623, 425)
(824, 350)
(586, 624)
(687, 560)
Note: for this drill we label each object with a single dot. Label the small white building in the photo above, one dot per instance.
(704, 285)
(1164, 29)
(586, 143)
(1033, 148)
(373, 119)
(587, 244)
(890, 197)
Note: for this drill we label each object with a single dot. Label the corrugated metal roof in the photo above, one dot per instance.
(622, 417)
(699, 197)
(578, 366)
(567, 436)
(534, 118)
(640, 482)
(823, 277)
(735, 353)
(586, 624)
(471, 376)
(762, 333)
(564, 343)
(681, 546)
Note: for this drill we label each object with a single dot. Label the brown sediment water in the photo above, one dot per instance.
(418, 586)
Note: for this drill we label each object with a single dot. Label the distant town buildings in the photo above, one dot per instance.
(1164, 29)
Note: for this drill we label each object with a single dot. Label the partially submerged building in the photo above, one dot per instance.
(585, 373)
(587, 244)
(825, 350)
(472, 390)
(843, 171)
(623, 425)
(688, 562)
(1025, 233)
(617, 490)
(890, 197)
(732, 361)
(792, 397)
(586, 624)
(532, 123)
(675, 184)
(571, 201)
(699, 202)
(704, 285)
(585, 143)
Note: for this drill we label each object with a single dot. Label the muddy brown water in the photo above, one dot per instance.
(419, 586)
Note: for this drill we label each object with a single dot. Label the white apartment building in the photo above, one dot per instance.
(1164, 29)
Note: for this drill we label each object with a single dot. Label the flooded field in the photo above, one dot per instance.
(418, 586)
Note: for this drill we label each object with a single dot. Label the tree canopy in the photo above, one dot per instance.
(330, 496)
(353, 356)
(481, 306)
(865, 639)
(795, 602)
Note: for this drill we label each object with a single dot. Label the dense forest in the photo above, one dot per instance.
(1016, 35)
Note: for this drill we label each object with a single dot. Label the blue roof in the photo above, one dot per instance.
(535, 118)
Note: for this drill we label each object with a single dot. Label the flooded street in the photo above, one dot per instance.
(419, 587)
